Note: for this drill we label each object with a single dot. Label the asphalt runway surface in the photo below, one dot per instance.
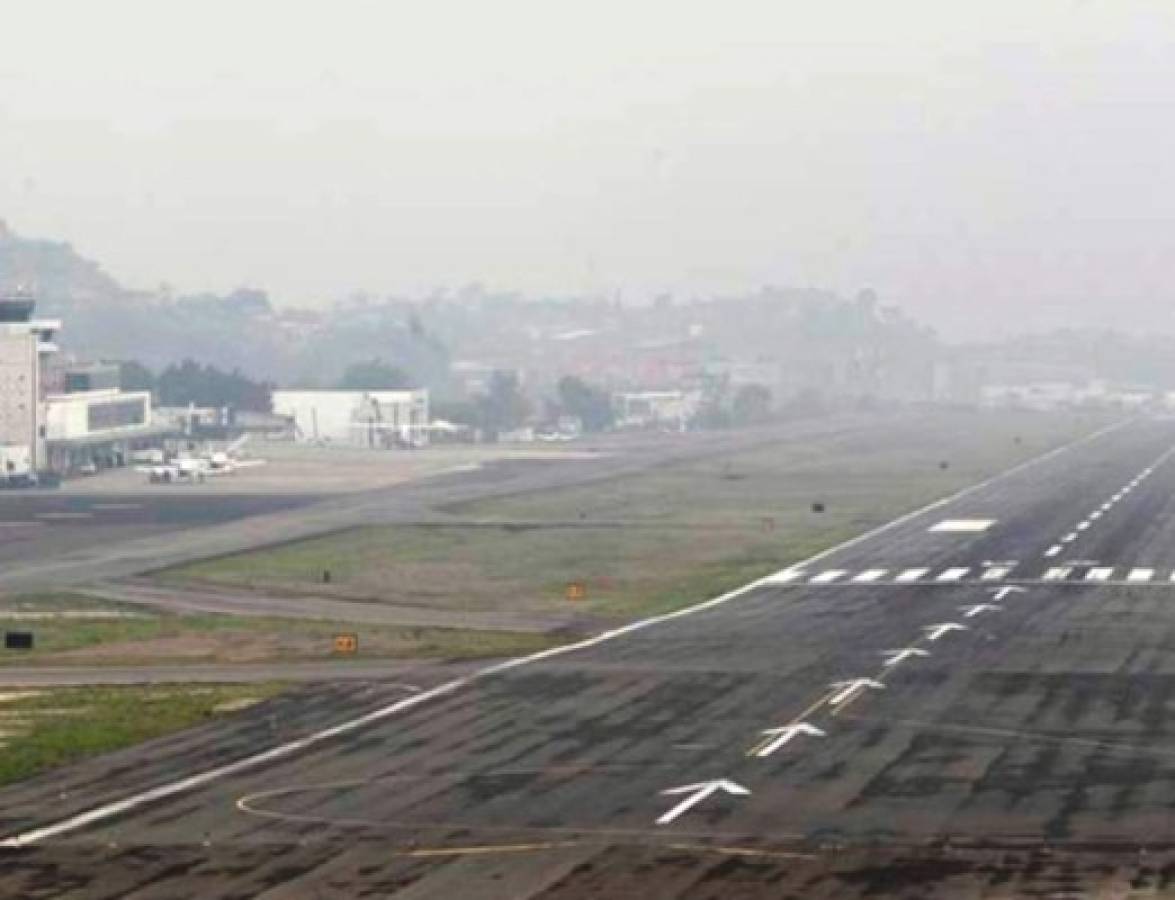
(949, 706)
(44, 524)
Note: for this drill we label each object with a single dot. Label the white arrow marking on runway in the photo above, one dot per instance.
(934, 632)
(830, 575)
(893, 657)
(870, 575)
(1099, 574)
(846, 690)
(972, 611)
(911, 575)
(1057, 573)
(995, 573)
(1001, 593)
(1053, 550)
(953, 574)
(1081, 526)
(1069, 538)
(780, 736)
(1140, 575)
(698, 792)
(1096, 514)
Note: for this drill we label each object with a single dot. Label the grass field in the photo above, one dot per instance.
(137, 636)
(40, 730)
(659, 539)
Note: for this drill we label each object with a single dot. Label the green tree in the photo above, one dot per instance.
(374, 375)
(591, 405)
(751, 405)
(504, 406)
(134, 376)
(191, 383)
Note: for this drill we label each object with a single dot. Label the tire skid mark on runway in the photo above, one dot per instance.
(290, 748)
(1032, 736)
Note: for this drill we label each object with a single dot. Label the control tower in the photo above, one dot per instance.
(25, 345)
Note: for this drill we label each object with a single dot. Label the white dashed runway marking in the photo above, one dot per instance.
(955, 574)
(911, 575)
(1073, 572)
(830, 576)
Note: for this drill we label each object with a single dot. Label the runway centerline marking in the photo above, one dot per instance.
(830, 576)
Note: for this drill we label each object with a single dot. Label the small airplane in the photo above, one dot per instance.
(196, 469)
(184, 469)
(893, 657)
(222, 462)
(846, 690)
(934, 632)
(972, 611)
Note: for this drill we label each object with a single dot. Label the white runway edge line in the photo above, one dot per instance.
(134, 801)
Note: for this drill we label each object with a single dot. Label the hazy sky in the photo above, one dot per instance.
(985, 165)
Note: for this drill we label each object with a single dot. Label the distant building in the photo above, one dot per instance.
(25, 347)
(644, 409)
(67, 416)
(357, 418)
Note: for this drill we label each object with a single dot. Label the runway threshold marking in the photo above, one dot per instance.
(829, 576)
(996, 573)
(954, 574)
(910, 575)
(169, 789)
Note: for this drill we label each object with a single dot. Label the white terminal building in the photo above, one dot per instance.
(61, 417)
(381, 419)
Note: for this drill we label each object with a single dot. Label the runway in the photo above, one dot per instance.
(988, 701)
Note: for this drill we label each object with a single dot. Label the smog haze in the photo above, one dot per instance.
(989, 168)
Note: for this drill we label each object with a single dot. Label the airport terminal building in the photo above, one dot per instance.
(26, 344)
(61, 417)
